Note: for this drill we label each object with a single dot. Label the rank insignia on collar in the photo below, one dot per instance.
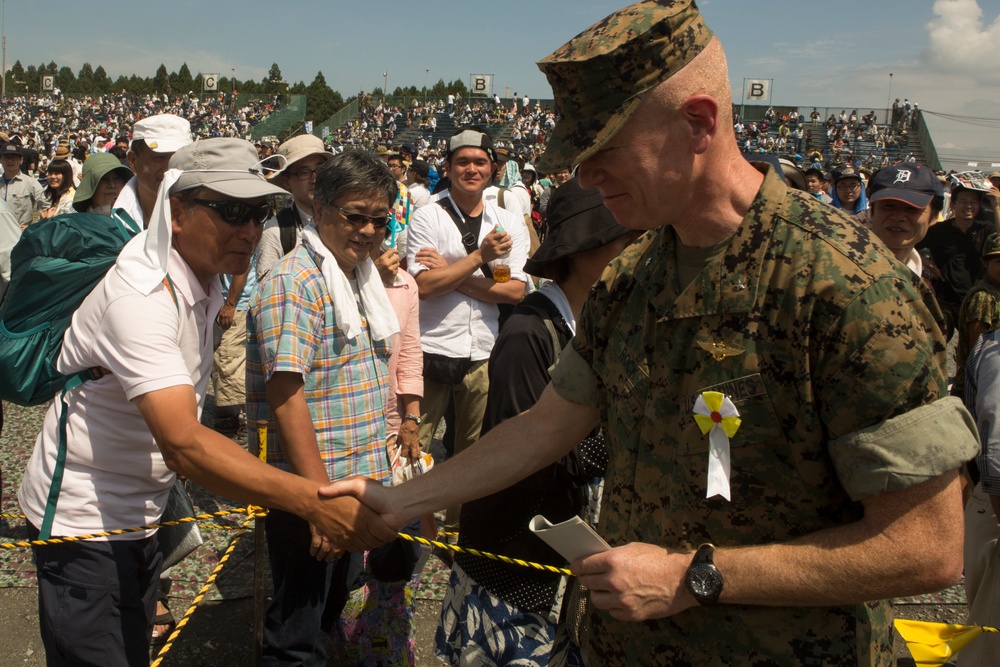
(719, 350)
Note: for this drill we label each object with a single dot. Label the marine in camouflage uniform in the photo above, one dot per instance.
(831, 353)
(843, 484)
(815, 334)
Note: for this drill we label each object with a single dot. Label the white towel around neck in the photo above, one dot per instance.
(142, 263)
(381, 317)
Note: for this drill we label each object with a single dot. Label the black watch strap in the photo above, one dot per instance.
(703, 579)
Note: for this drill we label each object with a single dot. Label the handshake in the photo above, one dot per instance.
(354, 514)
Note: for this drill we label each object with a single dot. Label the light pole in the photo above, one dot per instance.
(888, 103)
(233, 69)
(427, 73)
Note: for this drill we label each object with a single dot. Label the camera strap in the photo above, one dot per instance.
(470, 236)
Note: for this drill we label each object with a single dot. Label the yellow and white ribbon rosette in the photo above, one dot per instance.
(717, 417)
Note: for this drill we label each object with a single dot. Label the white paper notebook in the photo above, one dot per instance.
(572, 538)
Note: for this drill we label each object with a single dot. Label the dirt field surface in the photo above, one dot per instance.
(220, 630)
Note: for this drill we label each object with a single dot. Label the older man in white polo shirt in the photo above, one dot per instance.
(149, 322)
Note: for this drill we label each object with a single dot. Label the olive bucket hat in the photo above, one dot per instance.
(96, 167)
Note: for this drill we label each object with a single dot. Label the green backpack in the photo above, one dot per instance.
(54, 266)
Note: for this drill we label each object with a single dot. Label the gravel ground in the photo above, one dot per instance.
(220, 630)
(220, 633)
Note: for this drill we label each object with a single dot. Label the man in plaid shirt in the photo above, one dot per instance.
(320, 329)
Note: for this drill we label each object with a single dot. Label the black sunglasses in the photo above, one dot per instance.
(355, 218)
(238, 212)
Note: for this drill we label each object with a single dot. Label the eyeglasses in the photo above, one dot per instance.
(303, 174)
(238, 212)
(355, 218)
(394, 167)
(849, 185)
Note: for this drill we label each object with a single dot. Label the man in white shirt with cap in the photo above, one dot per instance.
(149, 323)
(154, 140)
(451, 251)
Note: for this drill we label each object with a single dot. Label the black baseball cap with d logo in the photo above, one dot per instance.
(910, 183)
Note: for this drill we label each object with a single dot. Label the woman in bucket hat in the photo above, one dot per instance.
(104, 176)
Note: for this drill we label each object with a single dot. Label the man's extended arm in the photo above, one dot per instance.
(530, 441)
(222, 466)
(908, 541)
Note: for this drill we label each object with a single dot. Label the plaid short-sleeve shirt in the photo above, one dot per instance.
(292, 328)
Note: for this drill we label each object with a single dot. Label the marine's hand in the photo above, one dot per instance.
(430, 258)
(349, 525)
(637, 581)
(376, 497)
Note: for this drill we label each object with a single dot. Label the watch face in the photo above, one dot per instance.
(704, 581)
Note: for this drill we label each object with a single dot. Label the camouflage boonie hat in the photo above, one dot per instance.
(599, 76)
(992, 246)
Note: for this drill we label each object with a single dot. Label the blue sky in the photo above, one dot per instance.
(818, 54)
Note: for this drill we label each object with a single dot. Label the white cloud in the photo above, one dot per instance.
(959, 41)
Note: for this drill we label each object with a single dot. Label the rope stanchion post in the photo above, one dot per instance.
(258, 560)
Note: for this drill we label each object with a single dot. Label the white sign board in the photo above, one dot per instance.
(757, 90)
(482, 85)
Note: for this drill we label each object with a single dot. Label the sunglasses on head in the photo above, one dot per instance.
(360, 219)
(237, 212)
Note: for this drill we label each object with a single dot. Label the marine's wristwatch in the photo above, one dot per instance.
(413, 418)
(703, 579)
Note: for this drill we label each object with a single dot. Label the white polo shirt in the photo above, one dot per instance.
(115, 476)
(453, 324)
(128, 199)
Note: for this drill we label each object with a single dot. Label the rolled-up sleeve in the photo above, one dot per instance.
(913, 447)
(575, 380)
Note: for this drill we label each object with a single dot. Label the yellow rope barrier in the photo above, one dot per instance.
(483, 554)
(251, 515)
(258, 511)
(121, 531)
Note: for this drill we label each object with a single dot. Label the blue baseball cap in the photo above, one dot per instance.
(910, 183)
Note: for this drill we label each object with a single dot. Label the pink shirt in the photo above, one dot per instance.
(406, 365)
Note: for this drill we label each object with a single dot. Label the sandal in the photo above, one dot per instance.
(163, 618)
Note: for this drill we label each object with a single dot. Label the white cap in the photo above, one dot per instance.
(163, 133)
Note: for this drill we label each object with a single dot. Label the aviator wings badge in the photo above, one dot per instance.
(719, 350)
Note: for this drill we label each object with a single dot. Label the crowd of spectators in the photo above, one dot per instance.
(373, 125)
(93, 124)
